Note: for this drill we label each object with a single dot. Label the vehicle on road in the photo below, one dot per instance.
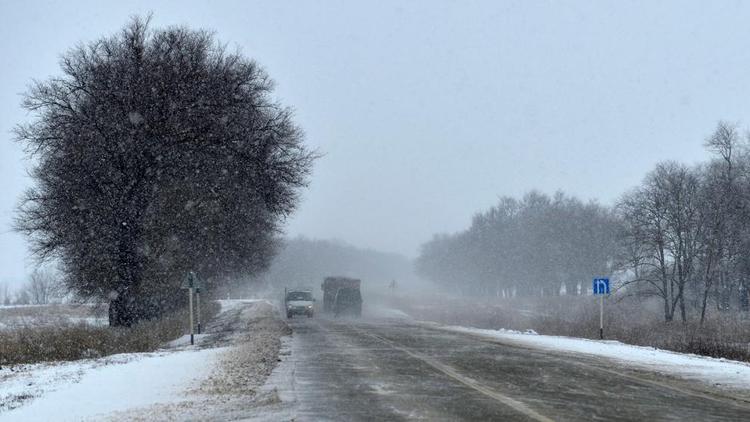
(341, 296)
(298, 302)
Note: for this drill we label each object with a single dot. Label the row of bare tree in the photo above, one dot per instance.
(42, 287)
(685, 231)
(682, 235)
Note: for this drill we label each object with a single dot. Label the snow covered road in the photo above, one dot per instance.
(396, 369)
(385, 367)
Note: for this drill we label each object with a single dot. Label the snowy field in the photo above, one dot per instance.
(722, 373)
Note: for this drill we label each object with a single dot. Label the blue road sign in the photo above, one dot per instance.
(601, 286)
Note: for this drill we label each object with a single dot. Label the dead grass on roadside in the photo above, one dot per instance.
(72, 341)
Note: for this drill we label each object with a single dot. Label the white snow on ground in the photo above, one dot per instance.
(718, 372)
(231, 304)
(88, 389)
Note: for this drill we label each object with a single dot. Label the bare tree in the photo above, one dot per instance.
(42, 287)
(22, 297)
(725, 213)
(664, 228)
(158, 152)
(4, 294)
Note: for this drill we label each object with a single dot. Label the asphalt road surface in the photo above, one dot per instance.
(350, 370)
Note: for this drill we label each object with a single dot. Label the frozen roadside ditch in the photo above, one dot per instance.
(722, 373)
(172, 383)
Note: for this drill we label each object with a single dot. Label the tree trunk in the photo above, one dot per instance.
(682, 308)
(122, 310)
(667, 309)
(704, 303)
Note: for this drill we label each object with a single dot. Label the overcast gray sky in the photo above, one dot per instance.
(428, 111)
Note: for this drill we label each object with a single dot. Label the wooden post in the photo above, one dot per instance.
(190, 304)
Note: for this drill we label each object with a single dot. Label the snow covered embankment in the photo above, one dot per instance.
(177, 382)
(721, 373)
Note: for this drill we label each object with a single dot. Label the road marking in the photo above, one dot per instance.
(469, 382)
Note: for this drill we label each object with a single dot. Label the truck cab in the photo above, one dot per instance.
(298, 302)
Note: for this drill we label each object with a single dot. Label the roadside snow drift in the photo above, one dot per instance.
(144, 386)
(83, 390)
(718, 372)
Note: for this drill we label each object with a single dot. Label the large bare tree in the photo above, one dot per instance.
(157, 152)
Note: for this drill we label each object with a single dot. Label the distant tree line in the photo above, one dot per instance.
(304, 262)
(42, 287)
(157, 152)
(537, 245)
(682, 235)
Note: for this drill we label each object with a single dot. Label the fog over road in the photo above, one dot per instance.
(391, 369)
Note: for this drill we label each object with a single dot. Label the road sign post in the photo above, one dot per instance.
(601, 317)
(600, 287)
(190, 304)
(198, 307)
(191, 283)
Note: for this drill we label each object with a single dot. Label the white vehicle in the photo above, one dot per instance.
(298, 302)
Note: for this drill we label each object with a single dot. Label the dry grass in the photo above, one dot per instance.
(71, 341)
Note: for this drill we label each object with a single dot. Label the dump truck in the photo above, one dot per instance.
(341, 296)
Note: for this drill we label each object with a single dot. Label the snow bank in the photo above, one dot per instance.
(90, 388)
(231, 304)
(718, 372)
(81, 390)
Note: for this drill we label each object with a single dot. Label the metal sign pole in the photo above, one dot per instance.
(190, 304)
(601, 317)
(198, 307)
(600, 287)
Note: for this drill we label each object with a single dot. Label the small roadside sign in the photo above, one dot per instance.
(190, 281)
(601, 286)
